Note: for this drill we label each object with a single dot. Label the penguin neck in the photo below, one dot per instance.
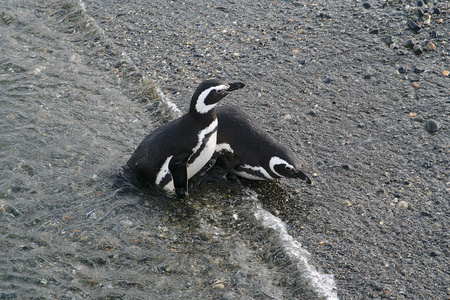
(206, 118)
(209, 115)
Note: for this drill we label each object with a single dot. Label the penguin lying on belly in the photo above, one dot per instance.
(176, 151)
(248, 151)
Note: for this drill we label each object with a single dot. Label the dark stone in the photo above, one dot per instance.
(418, 70)
(374, 31)
(402, 70)
(435, 34)
(419, 119)
(409, 44)
(367, 5)
(427, 165)
(394, 46)
(389, 40)
(324, 15)
(413, 25)
(420, 3)
(327, 80)
(436, 11)
(425, 214)
(311, 112)
(432, 126)
(345, 167)
(419, 12)
(435, 253)
(417, 50)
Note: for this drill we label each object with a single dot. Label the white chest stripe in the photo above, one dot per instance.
(203, 133)
(206, 152)
(224, 146)
(163, 171)
(200, 106)
(257, 169)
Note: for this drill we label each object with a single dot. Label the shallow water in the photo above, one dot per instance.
(71, 225)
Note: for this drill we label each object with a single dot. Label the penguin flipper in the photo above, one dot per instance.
(178, 169)
(226, 162)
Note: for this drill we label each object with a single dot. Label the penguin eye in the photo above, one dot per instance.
(289, 168)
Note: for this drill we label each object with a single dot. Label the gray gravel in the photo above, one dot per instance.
(351, 87)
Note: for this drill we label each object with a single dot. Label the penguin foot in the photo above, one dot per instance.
(181, 192)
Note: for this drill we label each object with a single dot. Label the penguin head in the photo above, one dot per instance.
(284, 168)
(209, 92)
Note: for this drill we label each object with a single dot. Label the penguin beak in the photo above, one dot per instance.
(301, 175)
(235, 86)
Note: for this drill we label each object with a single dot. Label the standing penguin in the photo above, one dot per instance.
(176, 151)
(248, 151)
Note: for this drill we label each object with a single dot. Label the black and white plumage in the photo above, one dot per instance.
(248, 151)
(176, 151)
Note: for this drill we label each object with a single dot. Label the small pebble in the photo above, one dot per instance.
(436, 11)
(436, 34)
(420, 3)
(402, 70)
(413, 25)
(417, 50)
(367, 5)
(418, 70)
(409, 44)
(431, 46)
(389, 40)
(327, 80)
(126, 223)
(347, 203)
(435, 253)
(446, 73)
(419, 12)
(311, 112)
(419, 119)
(403, 204)
(432, 126)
